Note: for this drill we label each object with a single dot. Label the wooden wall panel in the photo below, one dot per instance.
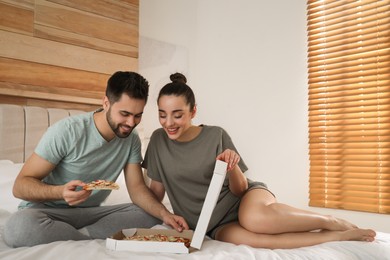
(23, 101)
(70, 19)
(126, 11)
(22, 47)
(133, 2)
(22, 25)
(39, 81)
(60, 53)
(26, 4)
(23, 91)
(85, 41)
(51, 77)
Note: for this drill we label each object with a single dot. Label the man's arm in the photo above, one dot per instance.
(142, 196)
(28, 184)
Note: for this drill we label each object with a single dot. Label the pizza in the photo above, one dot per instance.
(101, 185)
(160, 238)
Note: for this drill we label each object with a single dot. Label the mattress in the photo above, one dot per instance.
(211, 249)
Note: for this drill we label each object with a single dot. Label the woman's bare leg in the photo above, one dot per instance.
(236, 234)
(260, 213)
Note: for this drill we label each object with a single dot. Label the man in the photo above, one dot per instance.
(80, 149)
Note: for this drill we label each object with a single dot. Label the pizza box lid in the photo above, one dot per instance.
(117, 243)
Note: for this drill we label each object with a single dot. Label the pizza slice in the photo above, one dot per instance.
(101, 185)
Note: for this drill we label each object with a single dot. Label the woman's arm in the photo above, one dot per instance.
(238, 183)
(158, 189)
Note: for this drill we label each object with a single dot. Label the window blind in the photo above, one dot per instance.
(349, 104)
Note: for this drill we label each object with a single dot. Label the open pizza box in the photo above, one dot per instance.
(117, 241)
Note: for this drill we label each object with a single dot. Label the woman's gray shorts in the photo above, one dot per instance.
(233, 213)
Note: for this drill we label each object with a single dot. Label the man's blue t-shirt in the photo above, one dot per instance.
(80, 153)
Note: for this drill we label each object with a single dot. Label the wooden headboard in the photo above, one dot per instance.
(21, 128)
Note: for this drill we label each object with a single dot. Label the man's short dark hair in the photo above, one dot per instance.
(129, 83)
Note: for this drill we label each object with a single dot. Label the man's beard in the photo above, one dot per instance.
(116, 127)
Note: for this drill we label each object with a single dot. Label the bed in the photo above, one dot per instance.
(21, 128)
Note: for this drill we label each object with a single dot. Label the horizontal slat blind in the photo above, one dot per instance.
(349, 104)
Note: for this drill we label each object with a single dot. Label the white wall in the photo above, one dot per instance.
(246, 62)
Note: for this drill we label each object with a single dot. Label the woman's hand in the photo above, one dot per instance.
(230, 157)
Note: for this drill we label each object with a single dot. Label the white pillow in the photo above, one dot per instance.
(8, 173)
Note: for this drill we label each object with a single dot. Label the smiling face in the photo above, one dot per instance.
(175, 115)
(124, 115)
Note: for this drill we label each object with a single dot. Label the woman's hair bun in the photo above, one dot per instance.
(178, 78)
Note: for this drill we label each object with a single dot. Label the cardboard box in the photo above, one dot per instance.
(117, 243)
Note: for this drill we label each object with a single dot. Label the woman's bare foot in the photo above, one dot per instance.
(358, 234)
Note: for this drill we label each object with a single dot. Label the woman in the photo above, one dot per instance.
(180, 160)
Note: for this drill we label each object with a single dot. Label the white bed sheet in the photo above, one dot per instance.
(211, 249)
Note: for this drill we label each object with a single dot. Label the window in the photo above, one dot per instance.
(349, 104)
